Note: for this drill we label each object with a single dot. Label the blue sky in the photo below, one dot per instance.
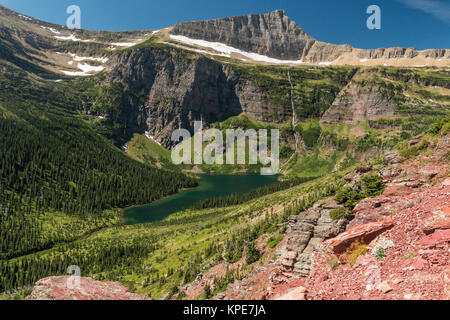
(406, 23)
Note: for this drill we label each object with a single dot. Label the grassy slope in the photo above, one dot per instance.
(149, 152)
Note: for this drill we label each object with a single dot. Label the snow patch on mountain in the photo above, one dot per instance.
(72, 37)
(226, 51)
(150, 137)
(25, 17)
(78, 58)
(123, 44)
(86, 70)
(51, 30)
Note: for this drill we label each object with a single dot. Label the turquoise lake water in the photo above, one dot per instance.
(210, 186)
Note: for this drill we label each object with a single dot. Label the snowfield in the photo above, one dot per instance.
(226, 51)
(123, 44)
(51, 30)
(150, 137)
(71, 38)
(77, 58)
(25, 17)
(86, 70)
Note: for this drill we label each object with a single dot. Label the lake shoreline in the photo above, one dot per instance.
(210, 186)
(122, 210)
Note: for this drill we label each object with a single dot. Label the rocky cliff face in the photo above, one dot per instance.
(176, 88)
(358, 102)
(305, 234)
(272, 34)
(276, 35)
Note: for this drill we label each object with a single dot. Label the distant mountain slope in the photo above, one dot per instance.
(45, 48)
(274, 36)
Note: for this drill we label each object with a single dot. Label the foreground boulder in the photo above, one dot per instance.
(295, 294)
(440, 220)
(439, 239)
(60, 288)
(364, 233)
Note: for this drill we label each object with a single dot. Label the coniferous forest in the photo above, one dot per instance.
(54, 164)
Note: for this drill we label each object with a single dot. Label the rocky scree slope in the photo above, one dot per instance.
(394, 246)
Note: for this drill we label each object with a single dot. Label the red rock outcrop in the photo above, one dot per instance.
(417, 266)
(440, 238)
(363, 233)
(412, 215)
(63, 288)
(440, 220)
(298, 293)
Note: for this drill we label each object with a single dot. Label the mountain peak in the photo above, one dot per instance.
(273, 34)
(280, 12)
